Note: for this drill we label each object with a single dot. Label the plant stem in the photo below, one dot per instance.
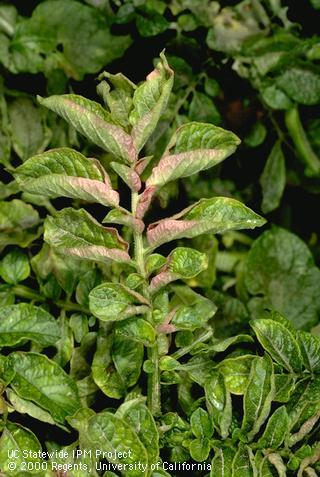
(301, 142)
(154, 396)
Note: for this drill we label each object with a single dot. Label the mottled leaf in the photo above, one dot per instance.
(17, 438)
(310, 351)
(279, 342)
(243, 462)
(44, 382)
(128, 175)
(275, 431)
(215, 215)
(113, 301)
(112, 434)
(137, 414)
(65, 172)
(219, 403)
(194, 147)
(122, 217)
(104, 373)
(300, 84)
(137, 329)
(149, 101)
(76, 233)
(118, 96)
(127, 356)
(182, 263)
(27, 322)
(201, 424)
(280, 267)
(258, 396)
(91, 120)
(236, 373)
(221, 464)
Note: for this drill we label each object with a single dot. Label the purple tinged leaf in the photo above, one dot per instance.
(90, 119)
(144, 202)
(65, 172)
(149, 101)
(129, 176)
(76, 233)
(195, 147)
(215, 215)
(141, 165)
(123, 217)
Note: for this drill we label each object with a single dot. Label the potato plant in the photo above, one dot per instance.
(149, 327)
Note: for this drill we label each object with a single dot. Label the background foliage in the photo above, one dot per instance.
(253, 364)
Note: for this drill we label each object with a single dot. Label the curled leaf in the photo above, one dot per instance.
(90, 119)
(76, 233)
(65, 172)
(215, 215)
(113, 301)
(195, 147)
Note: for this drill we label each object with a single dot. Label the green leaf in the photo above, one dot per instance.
(279, 342)
(275, 431)
(280, 267)
(215, 215)
(128, 175)
(221, 464)
(127, 356)
(310, 350)
(243, 462)
(22, 406)
(182, 263)
(149, 101)
(137, 329)
(14, 267)
(258, 396)
(29, 136)
(193, 310)
(273, 179)
(236, 373)
(65, 172)
(194, 147)
(199, 449)
(104, 373)
(76, 233)
(27, 322)
(300, 84)
(49, 40)
(304, 403)
(201, 424)
(256, 136)
(113, 435)
(137, 414)
(113, 301)
(119, 98)
(202, 108)
(16, 214)
(96, 124)
(122, 217)
(44, 382)
(275, 98)
(219, 403)
(219, 346)
(17, 438)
